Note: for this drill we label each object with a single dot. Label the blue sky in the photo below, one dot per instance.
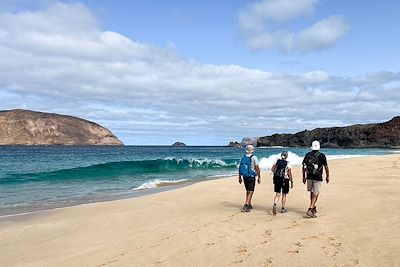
(204, 72)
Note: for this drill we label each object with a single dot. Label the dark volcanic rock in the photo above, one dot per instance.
(24, 127)
(179, 144)
(234, 144)
(379, 135)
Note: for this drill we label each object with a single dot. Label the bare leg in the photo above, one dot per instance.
(314, 198)
(283, 200)
(277, 197)
(249, 195)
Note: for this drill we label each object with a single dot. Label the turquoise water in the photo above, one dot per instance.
(37, 178)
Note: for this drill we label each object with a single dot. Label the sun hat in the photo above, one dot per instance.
(315, 145)
(249, 149)
(284, 154)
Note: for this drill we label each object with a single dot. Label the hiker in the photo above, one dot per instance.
(313, 163)
(249, 169)
(282, 176)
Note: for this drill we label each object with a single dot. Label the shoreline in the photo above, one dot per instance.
(140, 192)
(190, 226)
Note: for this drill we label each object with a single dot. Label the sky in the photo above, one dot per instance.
(155, 72)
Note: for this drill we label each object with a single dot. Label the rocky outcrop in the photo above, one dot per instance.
(24, 127)
(378, 135)
(234, 144)
(178, 144)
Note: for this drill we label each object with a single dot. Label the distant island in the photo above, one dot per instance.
(178, 144)
(25, 127)
(377, 135)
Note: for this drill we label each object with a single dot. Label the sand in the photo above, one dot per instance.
(202, 225)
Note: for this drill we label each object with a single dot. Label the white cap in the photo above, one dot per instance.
(249, 149)
(315, 145)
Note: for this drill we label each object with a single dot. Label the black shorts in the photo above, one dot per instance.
(281, 187)
(249, 183)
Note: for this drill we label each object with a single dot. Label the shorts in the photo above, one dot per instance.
(281, 187)
(249, 183)
(314, 186)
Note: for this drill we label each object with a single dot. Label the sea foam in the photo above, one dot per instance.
(157, 183)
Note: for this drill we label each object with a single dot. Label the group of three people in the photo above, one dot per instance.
(312, 170)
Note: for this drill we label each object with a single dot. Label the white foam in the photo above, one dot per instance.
(198, 162)
(293, 158)
(345, 156)
(155, 183)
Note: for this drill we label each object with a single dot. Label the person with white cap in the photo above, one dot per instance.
(313, 164)
(282, 172)
(249, 169)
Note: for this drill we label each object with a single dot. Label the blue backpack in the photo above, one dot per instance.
(245, 167)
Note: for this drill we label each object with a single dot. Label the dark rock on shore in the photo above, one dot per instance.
(377, 135)
(24, 127)
(178, 144)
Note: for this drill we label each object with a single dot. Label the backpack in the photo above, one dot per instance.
(311, 163)
(245, 167)
(280, 168)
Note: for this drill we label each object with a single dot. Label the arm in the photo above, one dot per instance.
(240, 178)
(257, 169)
(304, 174)
(289, 172)
(273, 169)
(327, 173)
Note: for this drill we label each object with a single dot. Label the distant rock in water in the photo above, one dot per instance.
(178, 144)
(234, 144)
(24, 127)
(377, 135)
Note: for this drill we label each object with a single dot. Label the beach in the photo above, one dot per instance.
(202, 225)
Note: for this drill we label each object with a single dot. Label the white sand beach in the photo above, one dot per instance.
(202, 225)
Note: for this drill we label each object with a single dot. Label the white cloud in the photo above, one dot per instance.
(322, 34)
(256, 14)
(258, 22)
(65, 63)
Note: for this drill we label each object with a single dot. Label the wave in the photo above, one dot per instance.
(125, 169)
(158, 183)
(266, 163)
(294, 159)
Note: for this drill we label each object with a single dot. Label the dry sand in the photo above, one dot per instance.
(202, 225)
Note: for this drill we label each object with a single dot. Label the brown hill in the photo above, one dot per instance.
(24, 127)
(378, 135)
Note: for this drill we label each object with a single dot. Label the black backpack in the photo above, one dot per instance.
(280, 168)
(311, 163)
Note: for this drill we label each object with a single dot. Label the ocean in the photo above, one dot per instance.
(34, 178)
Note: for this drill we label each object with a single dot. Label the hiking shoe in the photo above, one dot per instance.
(314, 210)
(310, 213)
(283, 210)
(274, 209)
(246, 208)
(250, 207)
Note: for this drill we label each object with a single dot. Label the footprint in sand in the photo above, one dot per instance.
(242, 253)
(294, 224)
(295, 249)
(242, 250)
(267, 237)
(267, 262)
(334, 247)
(354, 262)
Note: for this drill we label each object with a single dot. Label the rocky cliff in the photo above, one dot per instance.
(24, 127)
(379, 135)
